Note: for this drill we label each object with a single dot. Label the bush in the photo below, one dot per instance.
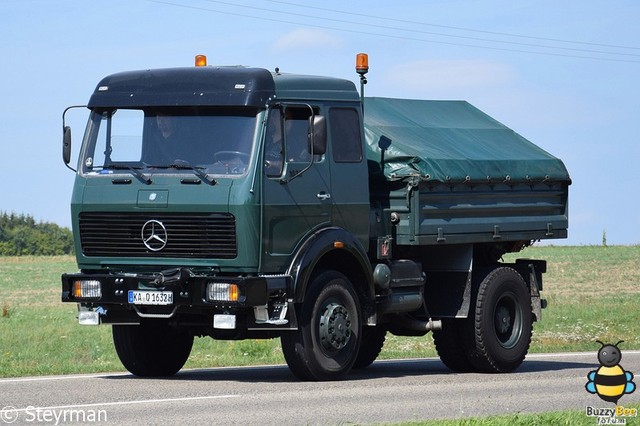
(21, 235)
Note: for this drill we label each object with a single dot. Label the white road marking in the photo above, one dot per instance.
(108, 404)
(68, 377)
(593, 354)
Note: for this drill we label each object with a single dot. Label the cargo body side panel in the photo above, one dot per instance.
(478, 213)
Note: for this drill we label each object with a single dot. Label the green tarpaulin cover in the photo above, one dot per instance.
(451, 141)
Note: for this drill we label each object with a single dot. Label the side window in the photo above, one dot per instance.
(273, 146)
(296, 125)
(345, 135)
(296, 134)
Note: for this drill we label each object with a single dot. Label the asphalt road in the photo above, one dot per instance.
(387, 391)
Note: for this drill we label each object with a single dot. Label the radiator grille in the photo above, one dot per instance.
(205, 235)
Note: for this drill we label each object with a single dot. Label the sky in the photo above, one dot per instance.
(565, 75)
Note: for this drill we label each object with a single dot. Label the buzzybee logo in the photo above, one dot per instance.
(610, 381)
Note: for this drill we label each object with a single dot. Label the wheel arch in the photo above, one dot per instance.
(531, 271)
(336, 249)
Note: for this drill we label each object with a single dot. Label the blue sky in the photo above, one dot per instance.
(565, 75)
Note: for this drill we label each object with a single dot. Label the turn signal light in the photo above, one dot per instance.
(87, 289)
(223, 292)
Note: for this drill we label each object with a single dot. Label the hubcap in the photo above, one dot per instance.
(503, 320)
(335, 327)
(508, 321)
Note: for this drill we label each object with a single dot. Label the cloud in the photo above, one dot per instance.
(305, 38)
(439, 76)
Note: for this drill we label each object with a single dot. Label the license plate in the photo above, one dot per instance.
(150, 297)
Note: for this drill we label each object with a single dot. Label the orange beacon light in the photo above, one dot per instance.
(201, 60)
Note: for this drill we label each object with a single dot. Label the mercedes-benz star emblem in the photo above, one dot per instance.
(154, 235)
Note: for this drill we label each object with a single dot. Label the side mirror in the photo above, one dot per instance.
(66, 138)
(318, 134)
(384, 143)
(66, 145)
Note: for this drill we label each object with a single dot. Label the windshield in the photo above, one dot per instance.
(217, 141)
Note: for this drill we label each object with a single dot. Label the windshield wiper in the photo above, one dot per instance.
(184, 165)
(134, 171)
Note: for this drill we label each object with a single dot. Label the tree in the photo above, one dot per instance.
(21, 235)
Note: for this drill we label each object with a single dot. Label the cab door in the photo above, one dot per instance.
(349, 171)
(296, 188)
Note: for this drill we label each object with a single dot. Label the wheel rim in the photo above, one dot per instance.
(335, 327)
(508, 321)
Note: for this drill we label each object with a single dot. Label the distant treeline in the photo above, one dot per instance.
(21, 235)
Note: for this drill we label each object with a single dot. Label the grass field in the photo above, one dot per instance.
(568, 418)
(593, 293)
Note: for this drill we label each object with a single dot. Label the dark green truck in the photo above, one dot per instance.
(239, 203)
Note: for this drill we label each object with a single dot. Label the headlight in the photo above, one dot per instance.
(87, 289)
(223, 292)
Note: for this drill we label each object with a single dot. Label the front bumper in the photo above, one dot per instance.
(259, 299)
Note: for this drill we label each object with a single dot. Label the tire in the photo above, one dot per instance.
(372, 343)
(449, 343)
(152, 349)
(327, 341)
(499, 331)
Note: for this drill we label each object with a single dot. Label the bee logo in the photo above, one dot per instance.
(610, 381)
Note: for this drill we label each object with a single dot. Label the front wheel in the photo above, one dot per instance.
(153, 348)
(327, 341)
(501, 324)
(372, 343)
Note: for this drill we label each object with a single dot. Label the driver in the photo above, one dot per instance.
(165, 144)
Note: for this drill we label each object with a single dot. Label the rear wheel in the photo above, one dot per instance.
(501, 322)
(450, 345)
(153, 348)
(327, 341)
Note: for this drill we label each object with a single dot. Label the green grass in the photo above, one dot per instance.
(593, 293)
(568, 418)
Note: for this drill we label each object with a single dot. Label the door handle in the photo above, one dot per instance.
(323, 195)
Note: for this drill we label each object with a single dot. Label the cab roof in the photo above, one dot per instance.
(214, 86)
